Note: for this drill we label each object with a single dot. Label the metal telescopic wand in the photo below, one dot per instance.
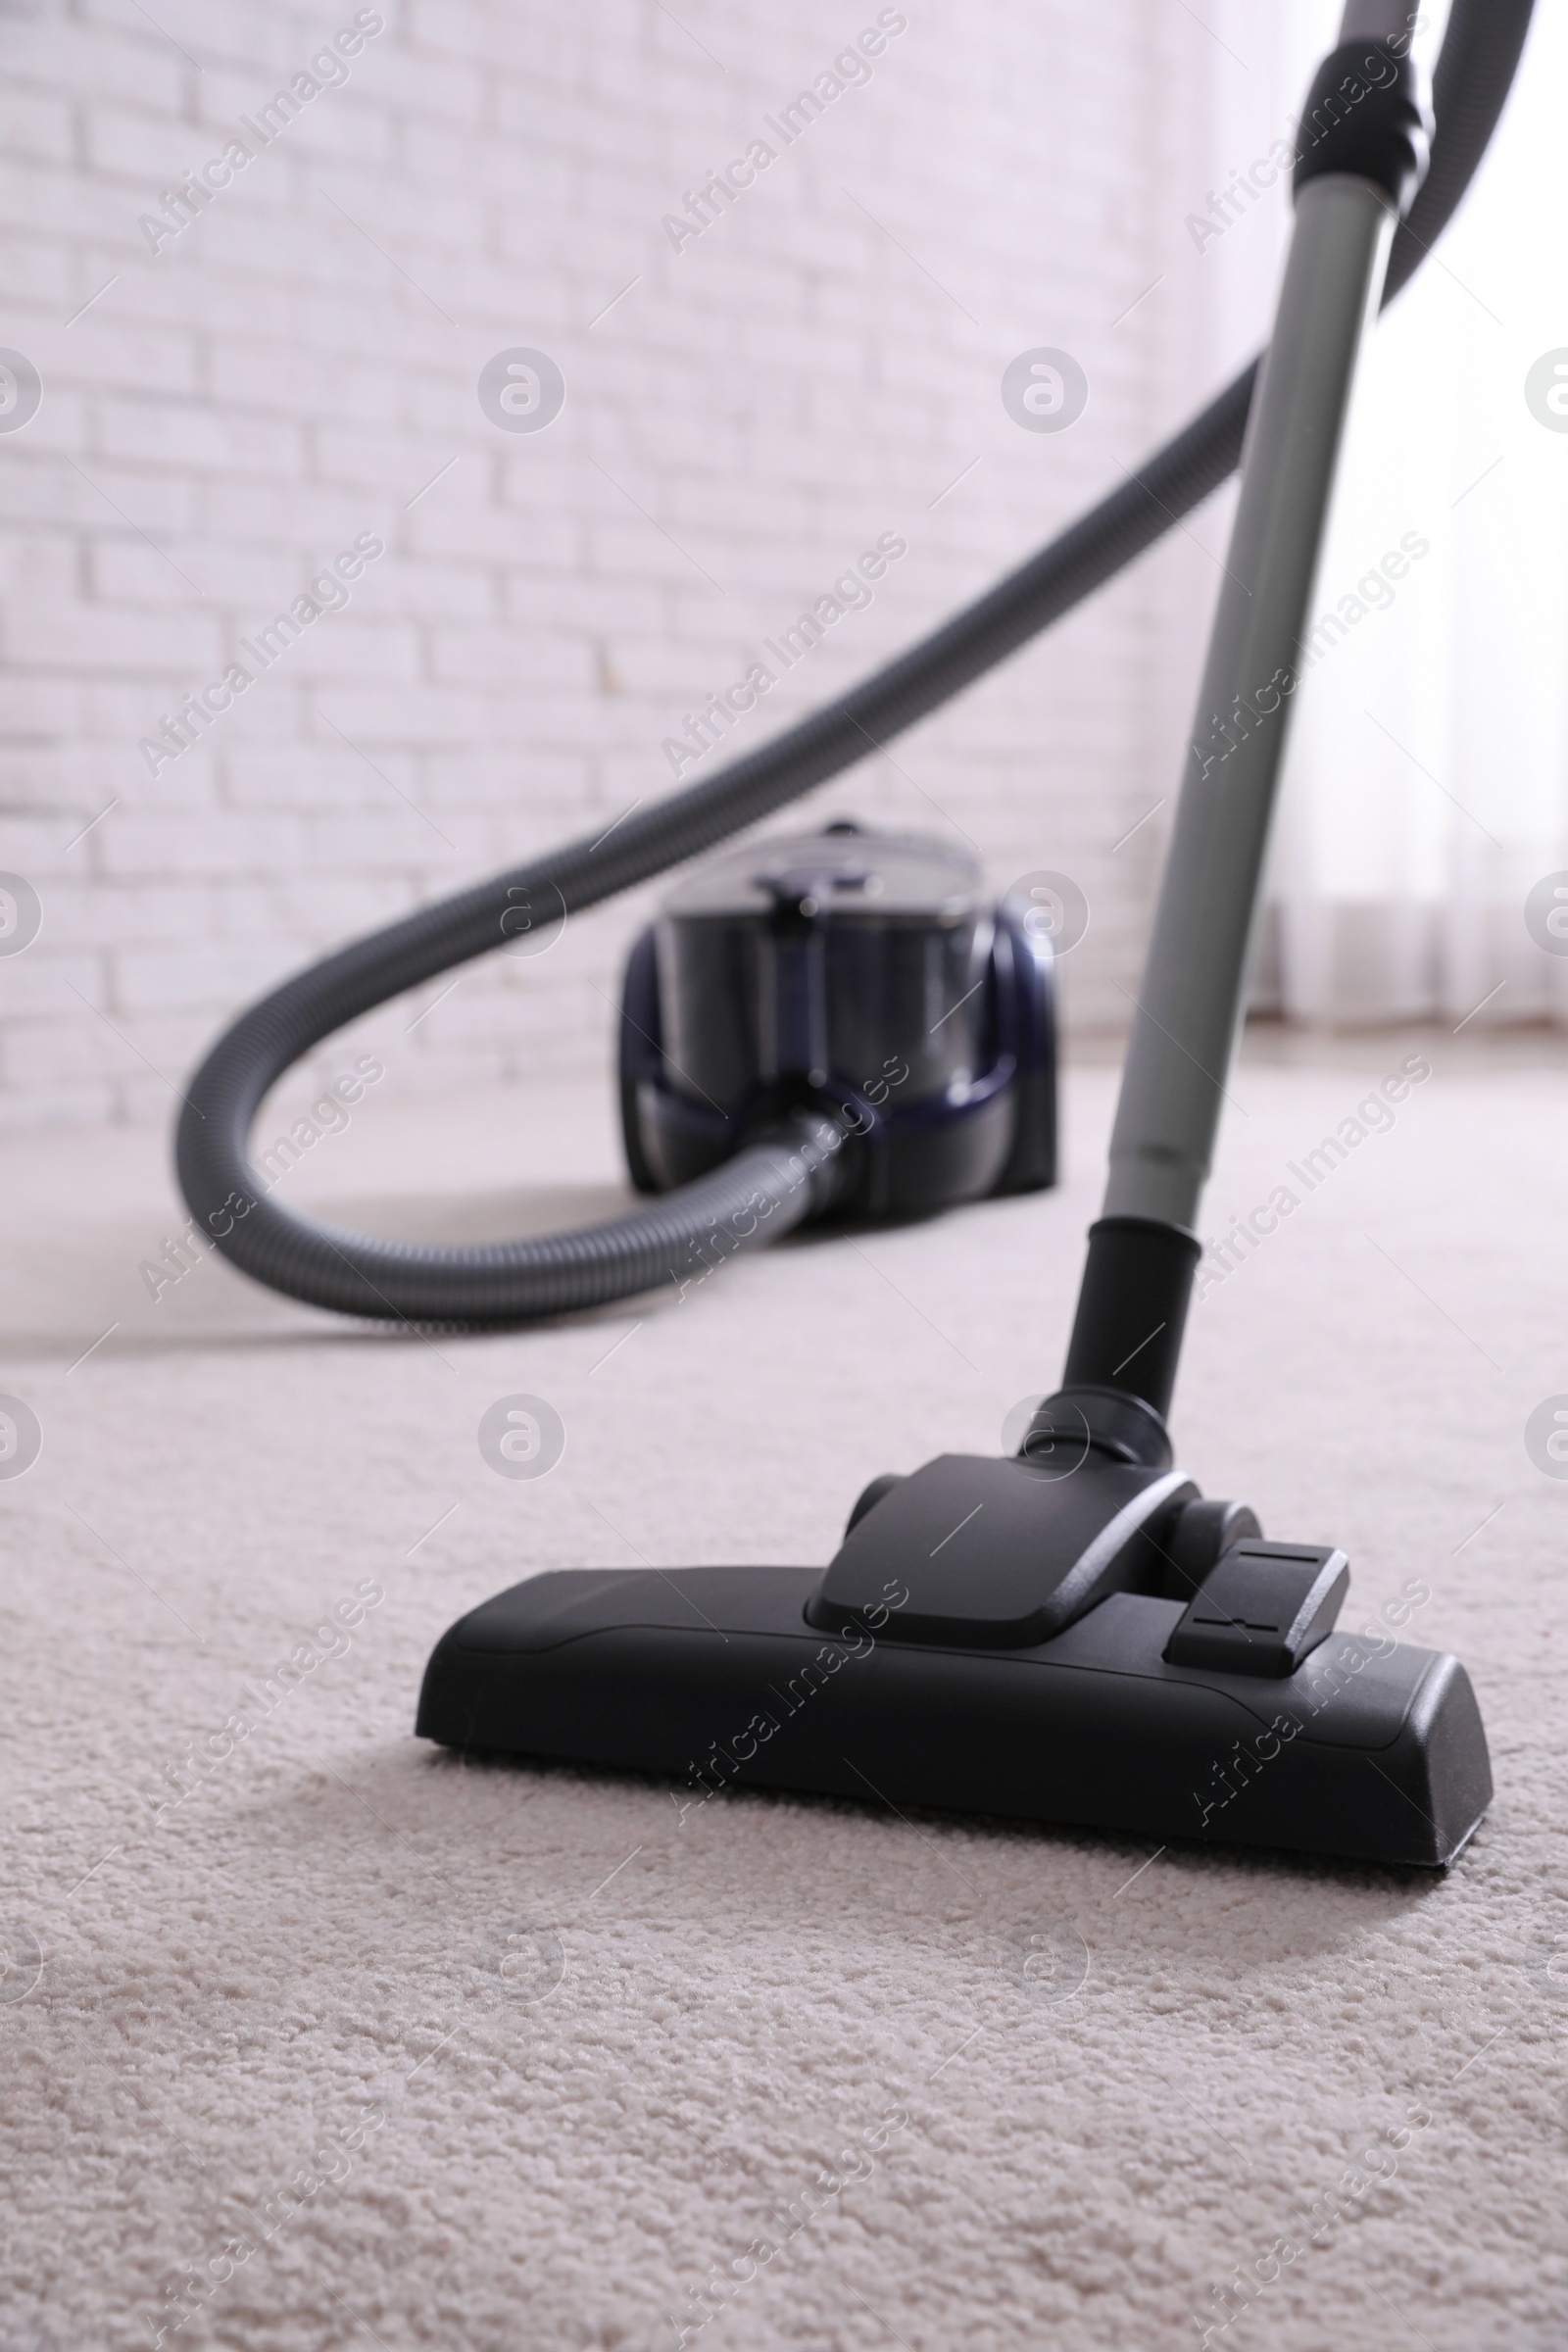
(1361, 153)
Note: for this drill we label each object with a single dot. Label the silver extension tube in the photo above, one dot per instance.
(1377, 20)
(1192, 999)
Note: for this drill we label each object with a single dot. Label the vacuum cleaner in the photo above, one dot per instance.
(837, 1024)
(774, 974)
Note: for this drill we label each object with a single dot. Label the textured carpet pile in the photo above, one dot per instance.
(313, 2036)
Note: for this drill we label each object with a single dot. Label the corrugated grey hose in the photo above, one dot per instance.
(772, 1185)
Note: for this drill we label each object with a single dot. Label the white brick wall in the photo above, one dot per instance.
(743, 418)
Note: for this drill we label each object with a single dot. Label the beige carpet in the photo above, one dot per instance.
(355, 2043)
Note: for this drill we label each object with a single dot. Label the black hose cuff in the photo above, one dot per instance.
(1132, 1308)
(1365, 116)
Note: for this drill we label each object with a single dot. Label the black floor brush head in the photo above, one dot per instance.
(914, 1672)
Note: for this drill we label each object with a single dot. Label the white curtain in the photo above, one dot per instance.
(1426, 791)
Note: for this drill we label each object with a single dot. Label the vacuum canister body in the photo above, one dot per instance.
(863, 971)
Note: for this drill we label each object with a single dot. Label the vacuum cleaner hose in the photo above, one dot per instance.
(774, 1183)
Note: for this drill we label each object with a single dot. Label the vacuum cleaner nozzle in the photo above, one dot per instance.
(1068, 1636)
